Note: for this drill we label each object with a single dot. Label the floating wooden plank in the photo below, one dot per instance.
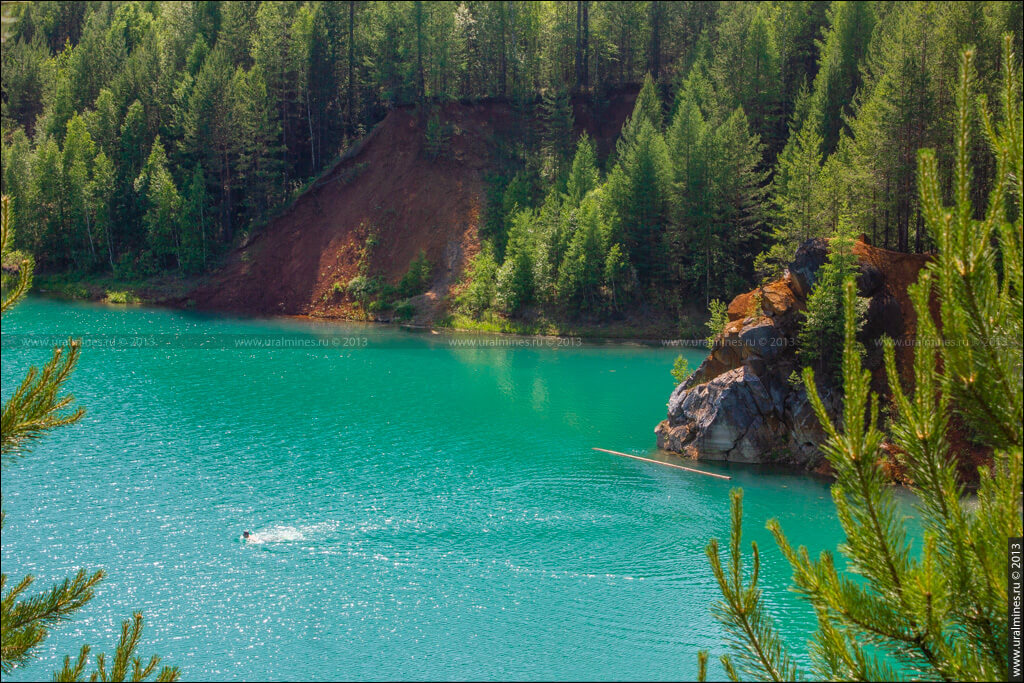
(666, 464)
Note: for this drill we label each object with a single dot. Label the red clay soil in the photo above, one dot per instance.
(900, 271)
(292, 264)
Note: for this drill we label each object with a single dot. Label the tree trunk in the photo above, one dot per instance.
(420, 87)
(351, 62)
(655, 20)
(579, 44)
(110, 247)
(502, 60)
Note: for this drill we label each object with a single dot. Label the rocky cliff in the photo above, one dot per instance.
(740, 405)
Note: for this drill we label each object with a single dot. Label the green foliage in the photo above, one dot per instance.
(681, 369)
(417, 279)
(719, 312)
(126, 665)
(436, 137)
(253, 102)
(514, 287)
(122, 297)
(821, 332)
(750, 633)
(371, 240)
(37, 406)
(638, 195)
(584, 175)
(718, 188)
(362, 289)
(579, 276)
(478, 295)
(938, 613)
(404, 310)
(797, 199)
(557, 127)
(162, 206)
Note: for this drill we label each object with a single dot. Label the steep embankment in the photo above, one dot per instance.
(740, 405)
(387, 185)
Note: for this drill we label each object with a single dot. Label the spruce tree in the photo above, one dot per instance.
(822, 329)
(638, 190)
(478, 294)
(195, 220)
(514, 282)
(161, 204)
(39, 405)
(580, 274)
(584, 175)
(797, 201)
(939, 613)
(101, 197)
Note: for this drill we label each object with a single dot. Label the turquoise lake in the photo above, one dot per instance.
(421, 508)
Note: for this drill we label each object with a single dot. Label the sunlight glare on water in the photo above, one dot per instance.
(417, 510)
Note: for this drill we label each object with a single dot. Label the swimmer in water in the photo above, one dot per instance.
(245, 535)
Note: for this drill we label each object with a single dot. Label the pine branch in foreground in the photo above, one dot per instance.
(937, 613)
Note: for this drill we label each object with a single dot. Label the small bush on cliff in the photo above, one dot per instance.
(417, 279)
(719, 311)
(680, 369)
(362, 289)
(938, 613)
(436, 137)
(821, 334)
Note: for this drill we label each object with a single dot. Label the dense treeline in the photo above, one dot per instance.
(140, 136)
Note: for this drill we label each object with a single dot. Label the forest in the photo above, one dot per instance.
(149, 137)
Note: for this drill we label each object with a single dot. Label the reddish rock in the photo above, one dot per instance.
(740, 404)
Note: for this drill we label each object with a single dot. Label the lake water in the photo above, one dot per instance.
(421, 508)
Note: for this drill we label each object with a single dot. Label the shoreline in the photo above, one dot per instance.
(171, 291)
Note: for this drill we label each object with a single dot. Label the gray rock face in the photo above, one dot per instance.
(740, 404)
(803, 271)
(733, 417)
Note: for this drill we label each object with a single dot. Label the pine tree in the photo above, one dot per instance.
(256, 139)
(40, 405)
(208, 130)
(647, 109)
(101, 197)
(797, 200)
(735, 233)
(478, 295)
(584, 175)
(747, 69)
(690, 143)
(76, 161)
(841, 52)
(195, 219)
(514, 285)
(638, 191)
(821, 331)
(580, 274)
(162, 207)
(941, 613)
(550, 241)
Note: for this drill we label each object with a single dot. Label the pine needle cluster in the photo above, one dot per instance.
(938, 612)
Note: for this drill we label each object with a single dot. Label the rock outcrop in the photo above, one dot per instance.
(741, 404)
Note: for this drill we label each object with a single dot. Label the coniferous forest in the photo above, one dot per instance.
(147, 137)
(295, 498)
